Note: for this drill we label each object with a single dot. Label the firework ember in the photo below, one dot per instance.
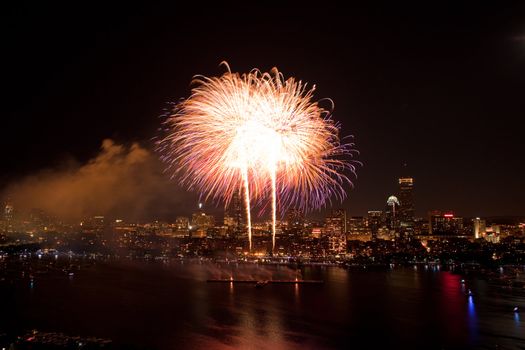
(260, 134)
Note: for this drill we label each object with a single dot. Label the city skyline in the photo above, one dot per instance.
(298, 235)
(398, 213)
(403, 187)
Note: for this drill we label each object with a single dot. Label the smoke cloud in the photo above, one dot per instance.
(121, 181)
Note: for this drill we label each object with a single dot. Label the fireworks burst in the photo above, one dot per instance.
(261, 134)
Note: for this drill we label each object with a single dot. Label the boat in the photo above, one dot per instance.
(261, 284)
(253, 281)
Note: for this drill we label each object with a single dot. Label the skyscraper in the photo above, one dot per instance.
(8, 217)
(374, 222)
(233, 216)
(8, 212)
(392, 213)
(201, 222)
(445, 223)
(406, 205)
(480, 227)
(336, 221)
(335, 230)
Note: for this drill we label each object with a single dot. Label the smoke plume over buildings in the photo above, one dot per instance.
(121, 181)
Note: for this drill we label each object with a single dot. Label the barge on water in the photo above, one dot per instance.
(260, 283)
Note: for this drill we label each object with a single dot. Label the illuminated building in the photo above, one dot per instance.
(229, 221)
(93, 224)
(336, 222)
(8, 212)
(220, 231)
(202, 221)
(294, 218)
(182, 226)
(479, 227)
(295, 221)
(337, 244)
(445, 223)
(334, 233)
(98, 221)
(38, 219)
(8, 217)
(493, 233)
(406, 205)
(375, 221)
(182, 223)
(357, 225)
(233, 216)
(317, 232)
(392, 210)
(358, 229)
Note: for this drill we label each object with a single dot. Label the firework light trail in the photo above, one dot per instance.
(261, 134)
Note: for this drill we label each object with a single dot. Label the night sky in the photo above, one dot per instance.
(439, 87)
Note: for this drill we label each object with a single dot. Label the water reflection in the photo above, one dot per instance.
(231, 290)
(472, 317)
(392, 308)
(260, 324)
(471, 307)
(453, 306)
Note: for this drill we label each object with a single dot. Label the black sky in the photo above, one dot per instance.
(439, 86)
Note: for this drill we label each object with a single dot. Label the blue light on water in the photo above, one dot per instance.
(472, 320)
(471, 307)
(517, 317)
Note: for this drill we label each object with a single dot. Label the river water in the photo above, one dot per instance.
(171, 306)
